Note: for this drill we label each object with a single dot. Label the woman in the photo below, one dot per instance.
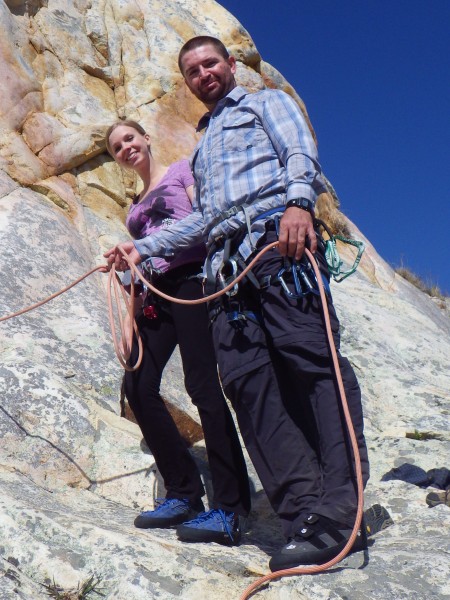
(167, 197)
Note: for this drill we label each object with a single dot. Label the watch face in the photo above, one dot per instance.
(302, 203)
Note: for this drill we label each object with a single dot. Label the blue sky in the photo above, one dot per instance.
(375, 77)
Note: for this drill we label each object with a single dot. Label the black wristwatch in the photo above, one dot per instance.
(302, 203)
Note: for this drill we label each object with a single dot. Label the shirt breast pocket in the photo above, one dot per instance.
(242, 132)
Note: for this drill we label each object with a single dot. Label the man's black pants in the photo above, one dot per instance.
(279, 377)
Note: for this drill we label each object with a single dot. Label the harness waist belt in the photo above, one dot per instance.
(233, 210)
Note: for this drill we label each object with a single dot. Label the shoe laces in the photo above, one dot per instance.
(163, 503)
(227, 519)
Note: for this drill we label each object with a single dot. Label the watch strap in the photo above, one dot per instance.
(303, 203)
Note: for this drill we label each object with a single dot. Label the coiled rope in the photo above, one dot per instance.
(123, 349)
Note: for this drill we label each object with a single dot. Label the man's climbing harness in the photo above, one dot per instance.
(296, 277)
(232, 265)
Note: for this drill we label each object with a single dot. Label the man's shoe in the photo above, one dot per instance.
(169, 512)
(213, 526)
(435, 498)
(320, 540)
(375, 519)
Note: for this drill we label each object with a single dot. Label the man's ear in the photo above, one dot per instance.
(232, 62)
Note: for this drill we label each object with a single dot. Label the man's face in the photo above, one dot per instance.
(208, 75)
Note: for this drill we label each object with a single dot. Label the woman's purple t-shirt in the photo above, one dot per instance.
(165, 204)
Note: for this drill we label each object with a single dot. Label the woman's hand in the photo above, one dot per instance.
(115, 256)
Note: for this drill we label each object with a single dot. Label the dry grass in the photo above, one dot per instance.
(83, 592)
(431, 289)
(327, 210)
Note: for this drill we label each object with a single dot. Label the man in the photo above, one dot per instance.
(256, 162)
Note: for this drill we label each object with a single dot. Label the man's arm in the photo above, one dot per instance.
(295, 146)
(164, 243)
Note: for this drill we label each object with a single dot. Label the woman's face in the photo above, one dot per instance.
(129, 147)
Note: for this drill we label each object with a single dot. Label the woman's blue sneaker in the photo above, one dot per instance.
(213, 526)
(169, 512)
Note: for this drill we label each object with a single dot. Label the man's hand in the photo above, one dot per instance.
(114, 255)
(295, 226)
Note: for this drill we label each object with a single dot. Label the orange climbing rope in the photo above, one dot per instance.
(101, 268)
(123, 349)
(359, 480)
(360, 487)
(114, 283)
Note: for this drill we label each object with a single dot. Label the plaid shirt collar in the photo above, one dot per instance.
(232, 97)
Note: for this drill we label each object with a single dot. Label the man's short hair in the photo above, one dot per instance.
(202, 40)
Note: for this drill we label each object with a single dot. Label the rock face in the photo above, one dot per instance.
(73, 473)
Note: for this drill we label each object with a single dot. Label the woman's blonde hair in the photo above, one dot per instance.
(126, 123)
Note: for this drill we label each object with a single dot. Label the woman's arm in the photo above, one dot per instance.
(190, 193)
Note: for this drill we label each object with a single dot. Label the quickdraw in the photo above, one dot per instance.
(150, 304)
(334, 261)
(227, 273)
(302, 273)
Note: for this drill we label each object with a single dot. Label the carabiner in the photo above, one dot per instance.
(148, 270)
(304, 283)
(309, 278)
(298, 293)
(224, 280)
